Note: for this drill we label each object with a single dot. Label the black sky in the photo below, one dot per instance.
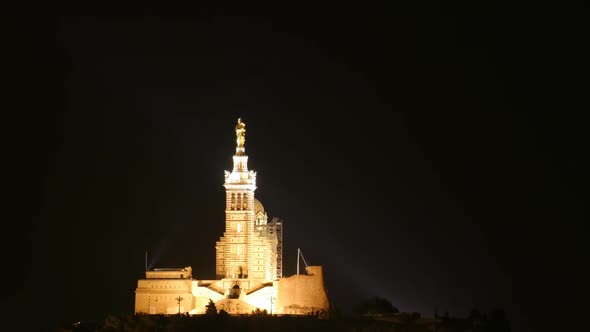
(432, 154)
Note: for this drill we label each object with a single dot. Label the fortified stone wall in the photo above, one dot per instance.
(158, 293)
(163, 300)
(303, 293)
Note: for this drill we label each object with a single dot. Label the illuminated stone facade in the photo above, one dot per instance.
(162, 289)
(248, 262)
(248, 248)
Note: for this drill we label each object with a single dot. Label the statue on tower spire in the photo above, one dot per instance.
(240, 133)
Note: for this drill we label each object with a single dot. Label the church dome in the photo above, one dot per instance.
(258, 208)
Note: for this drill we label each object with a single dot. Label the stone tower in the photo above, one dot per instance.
(248, 247)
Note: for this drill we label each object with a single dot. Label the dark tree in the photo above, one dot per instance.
(259, 312)
(223, 314)
(374, 306)
(211, 309)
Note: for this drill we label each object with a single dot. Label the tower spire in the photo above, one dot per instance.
(240, 138)
(240, 173)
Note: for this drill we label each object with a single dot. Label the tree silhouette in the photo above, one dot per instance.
(259, 312)
(223, 314)
(374, 306)
(211, 309)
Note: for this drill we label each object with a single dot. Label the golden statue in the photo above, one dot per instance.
(241, 133)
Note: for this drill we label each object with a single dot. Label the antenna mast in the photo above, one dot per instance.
(299, 254)
(146, 260)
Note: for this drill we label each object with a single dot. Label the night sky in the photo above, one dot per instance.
(431, 154)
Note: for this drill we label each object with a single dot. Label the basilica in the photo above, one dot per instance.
(248, 262)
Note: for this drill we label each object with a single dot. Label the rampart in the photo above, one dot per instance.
(303, 293)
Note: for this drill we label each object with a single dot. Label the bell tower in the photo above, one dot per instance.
(235, 246)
